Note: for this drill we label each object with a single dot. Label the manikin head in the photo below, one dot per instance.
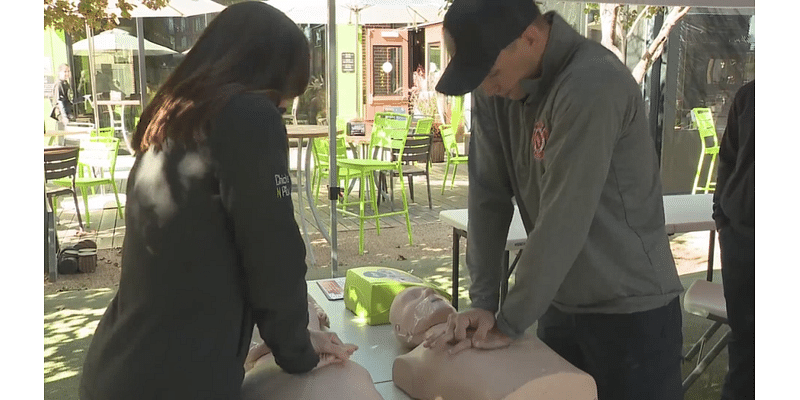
(414, 311)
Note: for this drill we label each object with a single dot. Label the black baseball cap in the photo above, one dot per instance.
(475, 32)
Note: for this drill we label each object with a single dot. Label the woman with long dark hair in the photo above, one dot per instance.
(212, 247)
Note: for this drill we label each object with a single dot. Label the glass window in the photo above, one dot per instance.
(711, 54)
(386, 70)
(434, 57)
(717, 56)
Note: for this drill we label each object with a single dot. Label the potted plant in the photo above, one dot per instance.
(313, 102)
(423, 104)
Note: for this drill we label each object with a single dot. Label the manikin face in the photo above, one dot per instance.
(415, 310)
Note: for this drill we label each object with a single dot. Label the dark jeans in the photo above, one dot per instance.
(738, 282)
(632, 356)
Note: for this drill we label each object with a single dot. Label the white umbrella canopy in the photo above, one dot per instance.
(175, 8)
(402, 12)
(118, 39)
(362, 11)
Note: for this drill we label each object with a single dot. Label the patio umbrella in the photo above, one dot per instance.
(362, 11)
(117, 39)
(175, 8)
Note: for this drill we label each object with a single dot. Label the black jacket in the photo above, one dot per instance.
(211, 248)
(734, 197)
(62, 100)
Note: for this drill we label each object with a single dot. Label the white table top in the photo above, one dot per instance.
(516, 233)
(306, 131)
(682, 213)
(688, 213)
(56, 132)
(118, 102)
(377, 345)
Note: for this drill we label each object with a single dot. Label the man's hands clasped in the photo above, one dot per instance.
(472, 328)
(330, 348)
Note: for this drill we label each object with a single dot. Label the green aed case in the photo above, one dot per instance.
(369, 291)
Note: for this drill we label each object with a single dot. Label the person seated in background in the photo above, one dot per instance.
(525, 369)
(265, 380)
(105, 82)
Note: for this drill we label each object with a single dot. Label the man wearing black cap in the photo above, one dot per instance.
(560, 126)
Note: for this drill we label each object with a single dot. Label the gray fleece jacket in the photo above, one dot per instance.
(577, 156)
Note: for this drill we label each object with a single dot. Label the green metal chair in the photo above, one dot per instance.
(107, 132)
(389, 133)
(61, 164)
(97, 161)
(416, 162)
(709, 147)
(321, 150)
(424, 126)
(452, 155)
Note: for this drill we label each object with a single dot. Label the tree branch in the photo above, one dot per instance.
(71, 15)
(608, 25)
(656, 48)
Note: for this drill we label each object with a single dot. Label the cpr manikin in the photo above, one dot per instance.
(264, 379)
(526, 369)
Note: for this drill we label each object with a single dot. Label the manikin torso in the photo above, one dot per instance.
(264, 379)
(527, 369)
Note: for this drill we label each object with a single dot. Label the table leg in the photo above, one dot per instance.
(125, 130)
(50, 242)
(309, 249)
(457, 233)
(504, 278)
(310, 196)
(712, 241)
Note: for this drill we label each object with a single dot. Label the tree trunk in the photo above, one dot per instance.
(608, 26)
(656, 48)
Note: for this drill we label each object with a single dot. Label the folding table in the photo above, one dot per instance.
(682, 214)
(517, 236)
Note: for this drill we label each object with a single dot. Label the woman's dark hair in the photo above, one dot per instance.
(249, 46)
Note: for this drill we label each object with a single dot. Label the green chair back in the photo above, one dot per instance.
(107, 132)
(709, 147)
(97, 157)
(449, 141)
(705, 126)
(100, 153)
(457, 111)
(448, 132)
(388, 133)
(424, 126)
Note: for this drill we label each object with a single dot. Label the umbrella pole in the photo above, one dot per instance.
(92, 69)
(334, 175)
(142, 73)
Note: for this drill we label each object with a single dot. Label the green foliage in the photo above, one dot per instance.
(70, 15)
(625, 14)
(229, 2)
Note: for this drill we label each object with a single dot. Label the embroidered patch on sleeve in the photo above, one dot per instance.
(283, 185)
(539, 140)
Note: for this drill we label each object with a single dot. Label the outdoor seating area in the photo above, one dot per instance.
(382, 104)
(108, 230)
